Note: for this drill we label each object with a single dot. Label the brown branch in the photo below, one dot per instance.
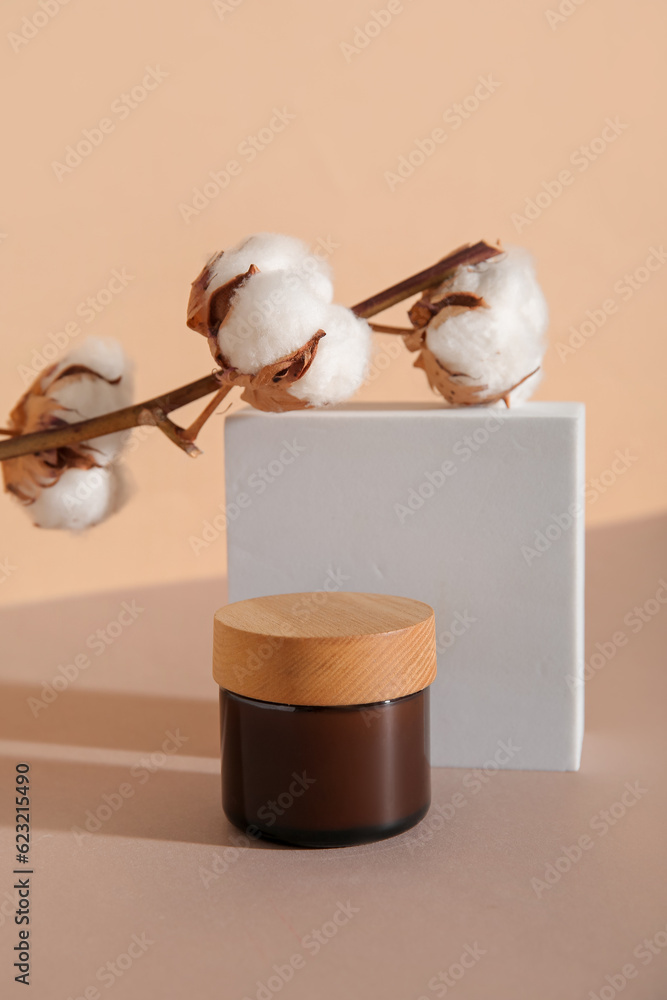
(173, 432)
(190, 433)
(185, 437)
(118, 420)
(434, 275)
(400, 330)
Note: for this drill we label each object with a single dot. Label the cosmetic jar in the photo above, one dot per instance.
(324, 714)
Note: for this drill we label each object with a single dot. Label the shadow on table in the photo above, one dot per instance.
(111, 719)
(152, 795)
(148, 802)
(626, 563)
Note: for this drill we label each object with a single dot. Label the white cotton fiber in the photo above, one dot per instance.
(268, 319)
(500, 345)
(104, 355)
(80, 499)
(85, 396)
(275, 252)
(341, 362)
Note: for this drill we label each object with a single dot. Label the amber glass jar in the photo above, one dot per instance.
(324, 715)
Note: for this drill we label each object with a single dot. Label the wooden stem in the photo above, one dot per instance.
(185, 437)
(432, 276)
(191, 432)
(399, 330)
(173, 432)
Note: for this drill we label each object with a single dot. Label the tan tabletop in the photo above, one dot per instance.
(482, 902)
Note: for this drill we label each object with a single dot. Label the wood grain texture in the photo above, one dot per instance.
(324, 648)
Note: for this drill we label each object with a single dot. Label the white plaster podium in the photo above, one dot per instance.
(479, 512)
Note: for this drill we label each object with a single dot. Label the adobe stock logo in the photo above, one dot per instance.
(454, 117)
(600, 824)
(624, 289)
(378, 20)
(6, 569)
(221, 7)
(122, 107)
(88, 310)
(247, 151)
(553, 188)
(565, 10)
(32, 25)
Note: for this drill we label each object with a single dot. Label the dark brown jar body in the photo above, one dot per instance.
(328, 776)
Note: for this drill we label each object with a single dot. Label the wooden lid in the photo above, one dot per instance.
(324, 648)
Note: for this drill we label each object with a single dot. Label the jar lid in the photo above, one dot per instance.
(324, 648)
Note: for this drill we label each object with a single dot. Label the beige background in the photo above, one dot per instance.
(469, 879)
(324, 177)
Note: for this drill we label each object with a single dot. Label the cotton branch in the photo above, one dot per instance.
(155, 411)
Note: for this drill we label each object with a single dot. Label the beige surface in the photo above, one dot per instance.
(552, 88)
(325, 648)
(220, 913)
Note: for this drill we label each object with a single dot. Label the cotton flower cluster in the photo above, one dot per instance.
(266, 308)
(79, 485)
(265, 301)
(488, 339)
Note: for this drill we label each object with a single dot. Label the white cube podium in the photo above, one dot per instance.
(478, 512)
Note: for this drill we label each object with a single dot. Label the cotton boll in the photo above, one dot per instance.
(275, 252)
(270, 317)
(80, 499)
(84, 395)
(78, 484)
(496, 346)
(341, 362)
